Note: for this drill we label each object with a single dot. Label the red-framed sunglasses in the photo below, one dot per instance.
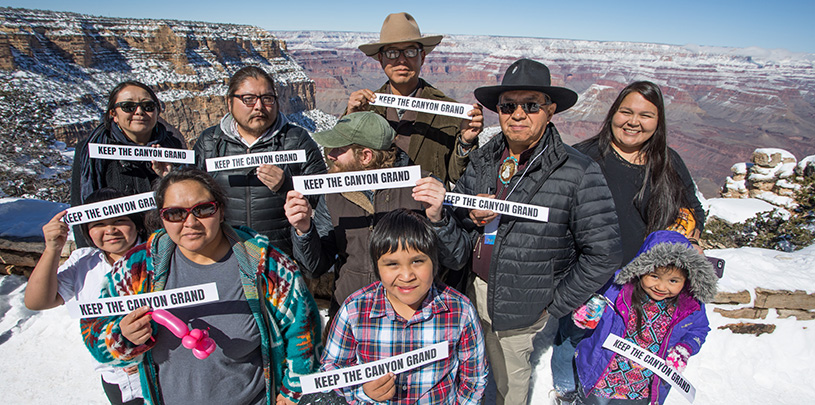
(179, 214)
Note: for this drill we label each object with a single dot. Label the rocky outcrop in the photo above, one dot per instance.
(798, 304)
(772, 175)
(722, 103)
(20, 257)
(74, 60)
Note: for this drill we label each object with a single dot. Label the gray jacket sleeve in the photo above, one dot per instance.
(593, 222)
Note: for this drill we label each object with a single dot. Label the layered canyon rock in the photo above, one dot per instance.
(73, 61)
(722, 103)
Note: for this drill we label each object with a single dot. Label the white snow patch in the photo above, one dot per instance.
(734, 210)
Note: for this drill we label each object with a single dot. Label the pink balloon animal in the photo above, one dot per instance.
(198, 340)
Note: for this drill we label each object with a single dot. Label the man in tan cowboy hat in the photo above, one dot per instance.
(440, 144)
(524, 270)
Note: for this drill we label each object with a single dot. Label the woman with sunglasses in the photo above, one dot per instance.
(265, 324)
(131, 118)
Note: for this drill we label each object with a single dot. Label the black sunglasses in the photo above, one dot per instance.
(250, 100)
(131, 106)
(179, 214)
(509, 108)
(394, 53)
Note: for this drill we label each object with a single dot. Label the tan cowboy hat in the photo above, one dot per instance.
(400, 27)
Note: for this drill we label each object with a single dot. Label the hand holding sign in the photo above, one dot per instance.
(272, 176)
(678, 357)
(161, 168)
(430, 192)
(359, 100)
(381, 389)
(136, 327)
(55, 232)
(483, 217)
(298, 211)
(472, 127)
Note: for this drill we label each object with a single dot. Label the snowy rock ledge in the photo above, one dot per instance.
(773, 175)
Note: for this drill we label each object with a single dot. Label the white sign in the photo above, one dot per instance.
(140, 153)
(256, 159)
(363, 373)
(378, 179)
(528, 211)
(423, 105)
(652, 362)
(175, 298)
(109, 208)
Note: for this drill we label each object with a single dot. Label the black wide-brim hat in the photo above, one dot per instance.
(526, 74)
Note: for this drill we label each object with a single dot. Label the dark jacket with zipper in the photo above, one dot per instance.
(250, 202)
(549, 266)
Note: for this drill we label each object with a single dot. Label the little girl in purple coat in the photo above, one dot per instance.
(657, 304)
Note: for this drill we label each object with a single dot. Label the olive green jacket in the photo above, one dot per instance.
(434, 143)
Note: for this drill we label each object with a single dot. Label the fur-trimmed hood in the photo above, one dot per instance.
(662, 248)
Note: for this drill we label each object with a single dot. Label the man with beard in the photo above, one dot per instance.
(364, 141)
(439, 144)
(253, 125)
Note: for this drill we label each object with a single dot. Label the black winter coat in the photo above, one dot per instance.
(625, 179)
(249, 201)
(554, 265)
(129, 177)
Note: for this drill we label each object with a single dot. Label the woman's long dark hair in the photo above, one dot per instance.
(662, 187)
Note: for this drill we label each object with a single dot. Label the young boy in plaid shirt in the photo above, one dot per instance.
(404, 311)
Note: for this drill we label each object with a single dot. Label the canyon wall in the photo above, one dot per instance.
(72, 61)
(722, 103)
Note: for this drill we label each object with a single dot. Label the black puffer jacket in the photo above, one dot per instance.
(250, 202)
(553, 265)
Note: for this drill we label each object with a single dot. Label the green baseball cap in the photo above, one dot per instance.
(365, 128)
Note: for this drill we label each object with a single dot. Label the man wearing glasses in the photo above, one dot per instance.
(253, 125)
(439, 144)
(525, 270)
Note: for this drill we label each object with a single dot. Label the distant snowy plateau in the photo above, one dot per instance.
(722, 103)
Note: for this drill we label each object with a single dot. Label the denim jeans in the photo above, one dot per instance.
(566, 340)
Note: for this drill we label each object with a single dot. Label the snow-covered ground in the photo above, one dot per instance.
(44, 360)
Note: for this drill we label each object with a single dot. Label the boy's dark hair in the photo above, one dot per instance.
(638, 296)
(406, 229)
(104, 194)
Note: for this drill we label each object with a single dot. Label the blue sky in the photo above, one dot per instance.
(787, 24)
